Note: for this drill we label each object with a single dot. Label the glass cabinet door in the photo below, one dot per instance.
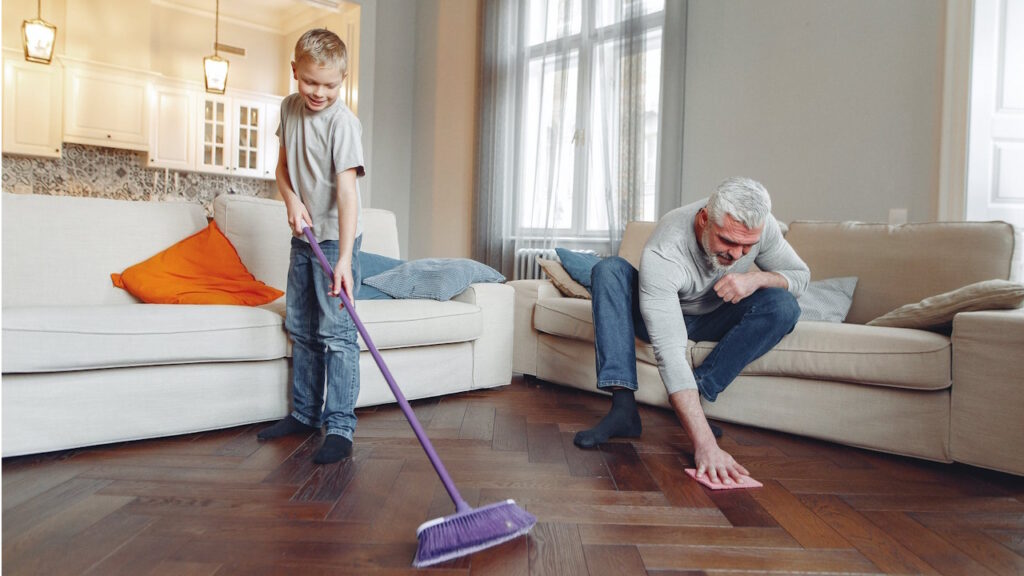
(249, 130)
(214, 151)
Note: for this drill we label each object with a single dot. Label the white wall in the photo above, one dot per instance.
(17, 11)
(180, 40)
(834, 105)
(154, 37)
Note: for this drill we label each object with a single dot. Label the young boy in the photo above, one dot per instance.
(321, 157)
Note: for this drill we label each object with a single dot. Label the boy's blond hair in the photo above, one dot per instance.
(324, 48)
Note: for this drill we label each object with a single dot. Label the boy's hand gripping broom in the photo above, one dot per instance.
(469, 529)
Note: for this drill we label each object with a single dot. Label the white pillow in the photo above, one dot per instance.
(827, 300)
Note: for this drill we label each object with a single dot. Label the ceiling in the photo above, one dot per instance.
(277, 15)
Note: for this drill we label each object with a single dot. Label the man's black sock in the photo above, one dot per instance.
(284, 427)
(335, 448)
(622, 421)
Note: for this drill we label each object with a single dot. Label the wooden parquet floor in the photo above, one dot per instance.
(221, 503)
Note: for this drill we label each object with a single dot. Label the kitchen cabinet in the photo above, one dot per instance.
(172, 128)
(32, 108)
(235, 134)
(106, 107)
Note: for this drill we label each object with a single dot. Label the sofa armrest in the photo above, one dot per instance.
(988, 391)
(492, 351)
(524, 347)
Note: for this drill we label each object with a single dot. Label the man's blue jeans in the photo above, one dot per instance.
(325, 349)
(744, 331)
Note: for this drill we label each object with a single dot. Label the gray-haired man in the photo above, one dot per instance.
(695, 281)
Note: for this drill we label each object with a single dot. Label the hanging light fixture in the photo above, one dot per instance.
(215, 68)
(38, 37)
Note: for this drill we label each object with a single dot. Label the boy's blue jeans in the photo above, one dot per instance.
(325, 349)
(744, 331)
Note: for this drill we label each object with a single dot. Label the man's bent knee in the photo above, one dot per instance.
(782, 305)
(613, 268)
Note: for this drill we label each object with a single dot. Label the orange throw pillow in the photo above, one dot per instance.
(201, 269)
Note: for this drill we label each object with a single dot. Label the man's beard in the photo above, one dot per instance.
(705, 243)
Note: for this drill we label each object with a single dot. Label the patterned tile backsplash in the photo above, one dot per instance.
(121, 174)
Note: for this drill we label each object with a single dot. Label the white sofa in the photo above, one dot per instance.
(85, 363)
(899, 390)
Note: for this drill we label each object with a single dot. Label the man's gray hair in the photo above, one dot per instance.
(744, 199)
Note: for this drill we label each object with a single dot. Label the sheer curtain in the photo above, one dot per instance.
(571, 123)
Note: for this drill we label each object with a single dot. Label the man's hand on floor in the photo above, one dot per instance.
(718, 464)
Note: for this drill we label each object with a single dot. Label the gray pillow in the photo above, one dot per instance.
(433, 278)
(827, 300)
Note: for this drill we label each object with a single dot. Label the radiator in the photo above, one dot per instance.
(526, 266)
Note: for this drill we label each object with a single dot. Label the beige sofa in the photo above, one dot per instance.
(898, 390)
(85, 363)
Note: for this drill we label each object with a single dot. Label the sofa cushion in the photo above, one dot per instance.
(561, 279)
(67, 260)
(827, 300)
(937, 312)
(573, 318)
(258, 229)
(433, 278)
(893, 357)
(579, 265)
(201, 269)
(405, 323)
(60, 338)
(371, 264)
(897, 265)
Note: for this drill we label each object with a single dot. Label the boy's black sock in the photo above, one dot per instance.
(284, 427)
(335, 448)
(623, 420)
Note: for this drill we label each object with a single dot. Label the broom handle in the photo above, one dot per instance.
(446, 479)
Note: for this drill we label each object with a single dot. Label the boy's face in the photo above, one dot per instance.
(318, 85)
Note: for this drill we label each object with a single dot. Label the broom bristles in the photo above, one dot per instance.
(454, 536)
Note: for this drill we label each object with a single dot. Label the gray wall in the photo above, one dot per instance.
(395, 43)
(835, 105)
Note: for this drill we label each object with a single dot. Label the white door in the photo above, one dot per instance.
(995, 161)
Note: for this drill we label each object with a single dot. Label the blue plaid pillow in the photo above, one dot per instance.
(371, 264)
(433, 278)
(579, 265)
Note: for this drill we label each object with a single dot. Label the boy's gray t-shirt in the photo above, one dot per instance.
(318, 146)
(677, 279)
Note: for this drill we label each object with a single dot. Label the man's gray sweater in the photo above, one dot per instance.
(677, 278)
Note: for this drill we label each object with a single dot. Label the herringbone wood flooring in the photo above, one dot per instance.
(222, 503)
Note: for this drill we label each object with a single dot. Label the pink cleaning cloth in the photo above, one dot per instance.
(745, 481)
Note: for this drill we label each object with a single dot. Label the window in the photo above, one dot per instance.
(574, 129)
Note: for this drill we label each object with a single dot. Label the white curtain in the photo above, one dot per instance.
(571, 123)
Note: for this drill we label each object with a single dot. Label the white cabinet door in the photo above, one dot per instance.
(172, 129)
(213, 151)
(272, 145)
(32, 109)
(248, 134)
(106, 108)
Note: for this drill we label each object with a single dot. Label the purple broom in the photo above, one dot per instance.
(469, 529)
